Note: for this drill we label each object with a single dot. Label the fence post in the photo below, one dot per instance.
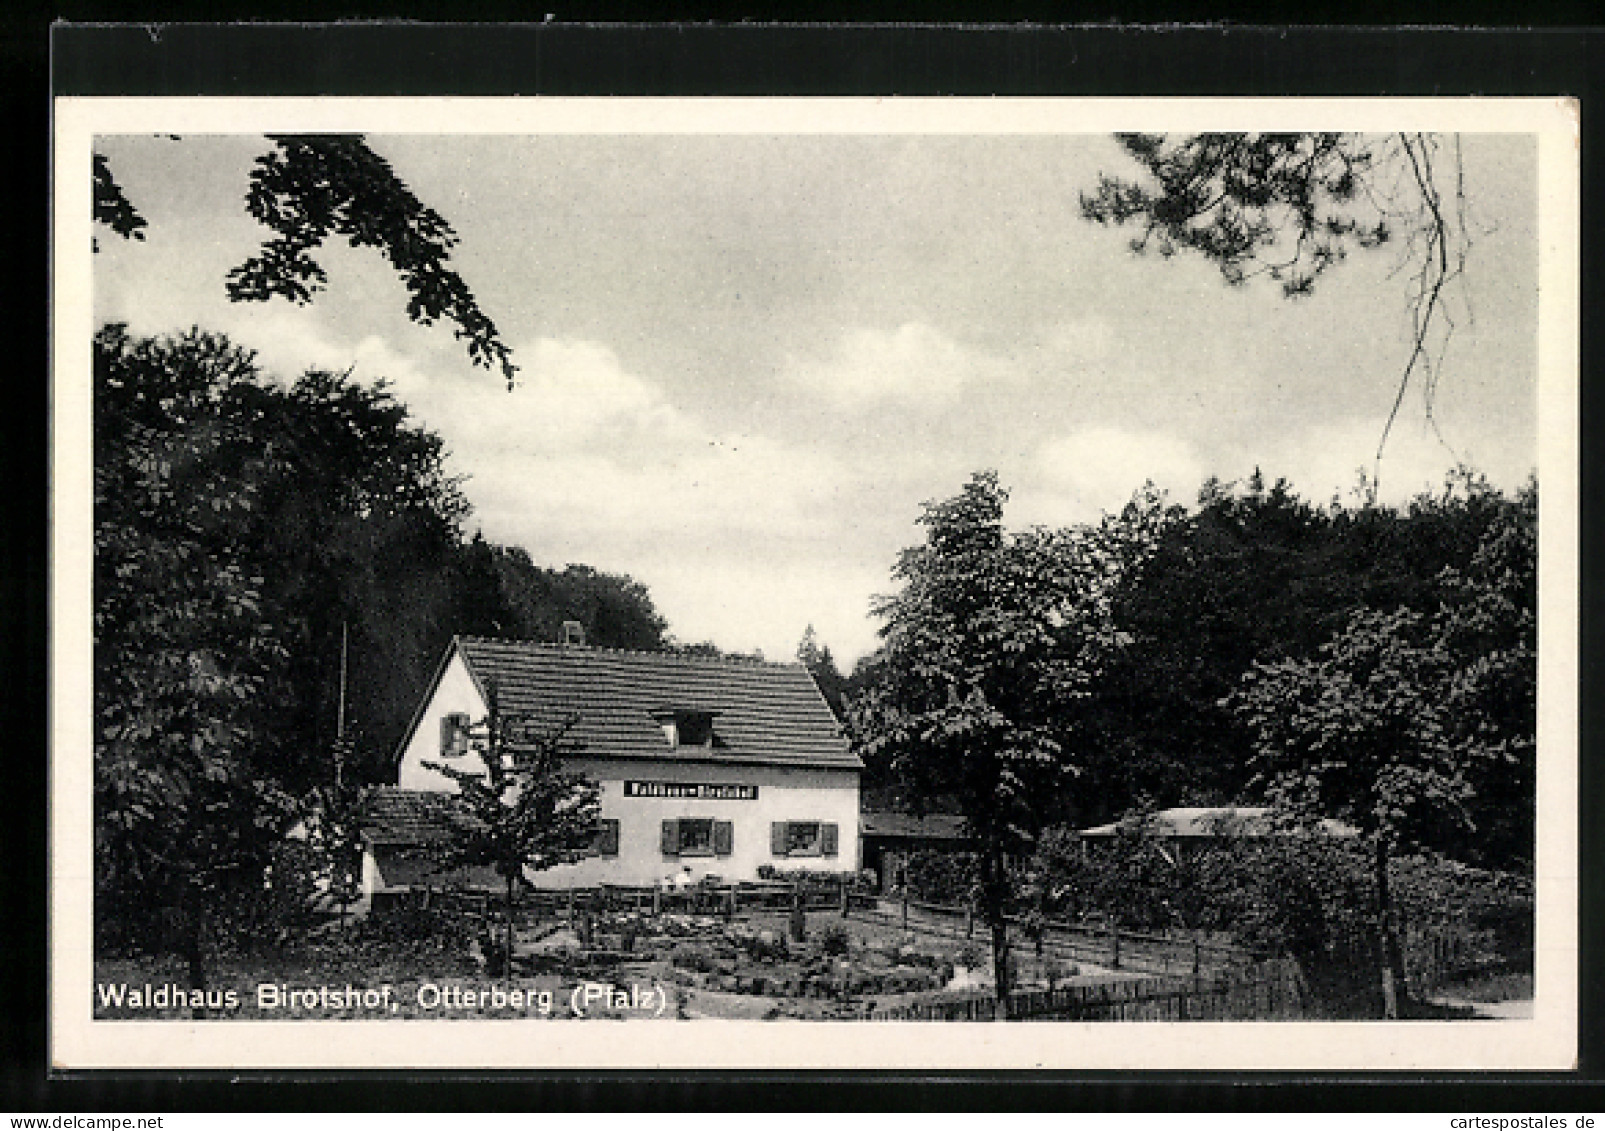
(657, 902)
(846, 899)
(905, 909)
(1114, 947)
(570, 908)
(1198, 958)
(969, 921)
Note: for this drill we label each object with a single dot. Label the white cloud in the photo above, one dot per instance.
(1077, 477)
(914, 364)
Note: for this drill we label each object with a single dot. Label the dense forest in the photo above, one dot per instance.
(1253, 576)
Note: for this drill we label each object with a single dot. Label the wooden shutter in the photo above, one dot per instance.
(827, 839)
(607, 841)
(671, 837)
(777, 838)
(724, 838)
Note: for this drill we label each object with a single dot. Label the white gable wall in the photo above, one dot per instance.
(456, 693)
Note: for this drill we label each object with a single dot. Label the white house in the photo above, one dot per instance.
(716, 766)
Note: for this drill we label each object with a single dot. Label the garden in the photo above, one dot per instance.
(760, 964)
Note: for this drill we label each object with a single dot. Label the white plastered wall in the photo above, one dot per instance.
(455, 694)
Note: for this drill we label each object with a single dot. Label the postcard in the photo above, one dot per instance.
(552, 583)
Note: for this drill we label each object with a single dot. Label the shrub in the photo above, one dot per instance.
(943, 877)
(833, 939)
(690, 956)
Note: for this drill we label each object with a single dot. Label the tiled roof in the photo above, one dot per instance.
(398, 817)
(400, 825)
(932, 826)
(1210, 821)
(766, 713)
(414, 870)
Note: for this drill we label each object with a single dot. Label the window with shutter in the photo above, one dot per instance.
(827, 839)
(671, 838)
(696, 836)
(802, 838)
(453, 735)
(777, 838)
(724, 838)
(607, 837)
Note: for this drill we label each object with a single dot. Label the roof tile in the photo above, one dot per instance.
(763, 712)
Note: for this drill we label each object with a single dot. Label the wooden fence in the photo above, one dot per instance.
(1264, 991)
(1097, 945)
(1103, 946)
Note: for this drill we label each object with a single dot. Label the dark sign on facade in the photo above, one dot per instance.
(696, 791)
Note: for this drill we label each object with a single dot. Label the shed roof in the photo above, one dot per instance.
(1206, 821)
(411, 818)
(906, 826)
(763, 712)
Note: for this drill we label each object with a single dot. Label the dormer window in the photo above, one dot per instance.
(687, 727)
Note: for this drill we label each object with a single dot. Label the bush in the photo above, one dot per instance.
(833, 939)
(943, 877)
(689, 956)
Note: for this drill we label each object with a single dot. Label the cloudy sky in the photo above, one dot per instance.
(747, 360)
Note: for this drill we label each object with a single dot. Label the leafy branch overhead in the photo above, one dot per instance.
(313, 186)
(1288, 207)
(111, 207)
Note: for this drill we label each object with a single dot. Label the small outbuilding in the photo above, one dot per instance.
(889, 839)
(1185, 829)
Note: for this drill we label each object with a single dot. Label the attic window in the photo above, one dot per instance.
(453, 735)
(687, 728)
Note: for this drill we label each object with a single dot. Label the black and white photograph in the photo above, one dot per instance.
(799, 583)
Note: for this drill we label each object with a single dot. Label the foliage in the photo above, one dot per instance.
(1311, 897)
(1289, 207)
(988, 647)
(309, 187)
(833, 939)
(821, 665)
(1489, 626)
(524, 812)
(1237, 198)
(188, 666)
(111, 206)
(1366, 733)
(952, 878)
(1362, 733)
(501, 592)
(1255, 573)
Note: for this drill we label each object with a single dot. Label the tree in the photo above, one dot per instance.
(989, 646)
(188, 666)
(1290, 206)
(821, 665)
(1363, 733)
(1489, 626)
(523, 812)
(356, 531)
(309, 187)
